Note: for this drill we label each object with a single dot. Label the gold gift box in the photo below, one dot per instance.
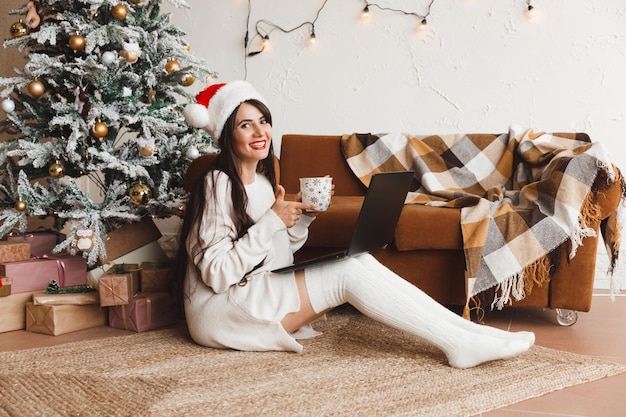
(60, 319)
(14, 251)
(12, 311)
(118, 285)
(154, 276)
(5, 286)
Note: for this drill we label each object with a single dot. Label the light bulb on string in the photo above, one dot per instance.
(366, 11)
(312, 37)
(531, 12)
(266, 40)
(423, 23)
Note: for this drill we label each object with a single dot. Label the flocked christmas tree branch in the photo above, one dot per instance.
(100, 102)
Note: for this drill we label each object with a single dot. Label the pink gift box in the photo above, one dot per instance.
(41, 242)
(36, 273)
(147, 311)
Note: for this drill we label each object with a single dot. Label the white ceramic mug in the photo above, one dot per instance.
(317, 191)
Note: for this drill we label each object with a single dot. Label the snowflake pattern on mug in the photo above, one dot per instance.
(316, 191)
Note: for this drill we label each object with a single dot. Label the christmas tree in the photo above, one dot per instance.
(99, 100)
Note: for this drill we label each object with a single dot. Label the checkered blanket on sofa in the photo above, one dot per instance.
(522, 195)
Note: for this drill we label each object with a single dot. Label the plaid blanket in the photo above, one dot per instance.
(522, 195)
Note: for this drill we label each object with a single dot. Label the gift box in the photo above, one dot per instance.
(5, 286)
(154, 276)
(119, 284)
(14, 251)
(12, 311)
(129, 237)
(87, 298)
(41, 242)
(60, 319)
(35, 273)
(146, 311)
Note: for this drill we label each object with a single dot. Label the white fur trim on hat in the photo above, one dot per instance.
(196, 115)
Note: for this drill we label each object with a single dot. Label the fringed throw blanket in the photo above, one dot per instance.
(521, 195)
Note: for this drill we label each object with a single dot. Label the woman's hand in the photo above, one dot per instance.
(315, 212)
(288, 211)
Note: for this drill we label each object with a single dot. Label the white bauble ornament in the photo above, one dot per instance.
(108, 57)
(8, 105)
(192, 153)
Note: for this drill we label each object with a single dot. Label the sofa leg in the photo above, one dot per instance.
(566, 317)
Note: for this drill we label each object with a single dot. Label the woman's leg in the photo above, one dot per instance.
(293, 321)
(436, 307)
(384, 296)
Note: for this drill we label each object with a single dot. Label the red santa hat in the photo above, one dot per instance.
(216, 103)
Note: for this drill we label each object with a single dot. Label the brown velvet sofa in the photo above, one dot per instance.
(427, 247)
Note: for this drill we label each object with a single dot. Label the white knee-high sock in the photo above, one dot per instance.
(381, 270)
(383, 296)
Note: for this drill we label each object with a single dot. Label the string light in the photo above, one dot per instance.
(312, 36)
(264, 27)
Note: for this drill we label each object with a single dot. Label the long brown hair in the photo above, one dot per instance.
(227, 162)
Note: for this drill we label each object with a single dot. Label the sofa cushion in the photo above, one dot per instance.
(333, 228)
(419, 227)
(427, 227)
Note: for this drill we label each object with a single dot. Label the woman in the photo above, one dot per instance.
(239, 227)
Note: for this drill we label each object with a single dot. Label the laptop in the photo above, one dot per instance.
(377, 219)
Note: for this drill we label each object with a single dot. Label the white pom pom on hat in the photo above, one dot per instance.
(216, 103)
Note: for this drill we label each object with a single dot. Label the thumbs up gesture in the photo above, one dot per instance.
(288, 211)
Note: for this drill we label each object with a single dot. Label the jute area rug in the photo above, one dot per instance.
(357, 368)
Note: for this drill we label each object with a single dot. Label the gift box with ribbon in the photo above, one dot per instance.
(35, 273)
(118, 285)
(14, 251)
(60, 319)
(154, 276)
(41, 242)
(146, 311)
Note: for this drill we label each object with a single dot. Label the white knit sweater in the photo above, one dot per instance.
(222, 313)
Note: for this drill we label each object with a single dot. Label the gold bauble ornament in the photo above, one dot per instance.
(77, 42)
(100, 130)
(36, 88)
(119, 12)
(172, 65)
(140, 193)
(187, 79)
(56, 170)
(19, 29)
(20, 205)
(130, 56)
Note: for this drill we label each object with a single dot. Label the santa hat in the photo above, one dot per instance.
(216, 103)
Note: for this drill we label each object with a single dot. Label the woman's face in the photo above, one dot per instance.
(252, 135)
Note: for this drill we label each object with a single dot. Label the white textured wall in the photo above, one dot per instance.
(479, 66)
